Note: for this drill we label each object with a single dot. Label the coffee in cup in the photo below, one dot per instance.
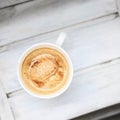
(45, 70)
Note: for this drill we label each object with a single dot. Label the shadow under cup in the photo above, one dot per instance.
(37, 92)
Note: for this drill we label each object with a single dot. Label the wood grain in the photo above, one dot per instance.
(118, 5)
(113, 110)
(5, 110)
(93, 89)
(41, 17)
(7, 3)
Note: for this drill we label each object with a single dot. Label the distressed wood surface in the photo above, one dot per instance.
(7, 3)
(84, 46)
(118, 5)
(5, 110)
(102, 114)
(41, 17)
(92, 42)
(93, 89)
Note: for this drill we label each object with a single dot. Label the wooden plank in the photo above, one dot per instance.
(102, 114)
(6, 3)
(5, 110)
(41, 17)
(93, 89)
(86, 47)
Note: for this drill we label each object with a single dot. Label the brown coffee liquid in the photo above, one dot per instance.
(45, 71)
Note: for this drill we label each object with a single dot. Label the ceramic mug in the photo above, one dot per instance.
(42, 45)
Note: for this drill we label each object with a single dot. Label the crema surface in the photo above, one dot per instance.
(45, 71)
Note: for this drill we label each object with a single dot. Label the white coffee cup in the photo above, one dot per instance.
(42, 45)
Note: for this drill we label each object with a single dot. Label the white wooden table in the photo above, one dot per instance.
(93, 43)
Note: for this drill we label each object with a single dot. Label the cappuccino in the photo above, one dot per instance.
(45, 71)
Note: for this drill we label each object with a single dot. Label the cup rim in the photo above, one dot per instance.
(30, 49)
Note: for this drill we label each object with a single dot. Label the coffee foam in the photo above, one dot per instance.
(45, 71)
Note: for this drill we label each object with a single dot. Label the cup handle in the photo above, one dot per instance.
(61, 39)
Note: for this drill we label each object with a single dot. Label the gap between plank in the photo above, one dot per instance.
(108, 62)
(83, 24)
(117, 2)
(5, 109)
(100, 114)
